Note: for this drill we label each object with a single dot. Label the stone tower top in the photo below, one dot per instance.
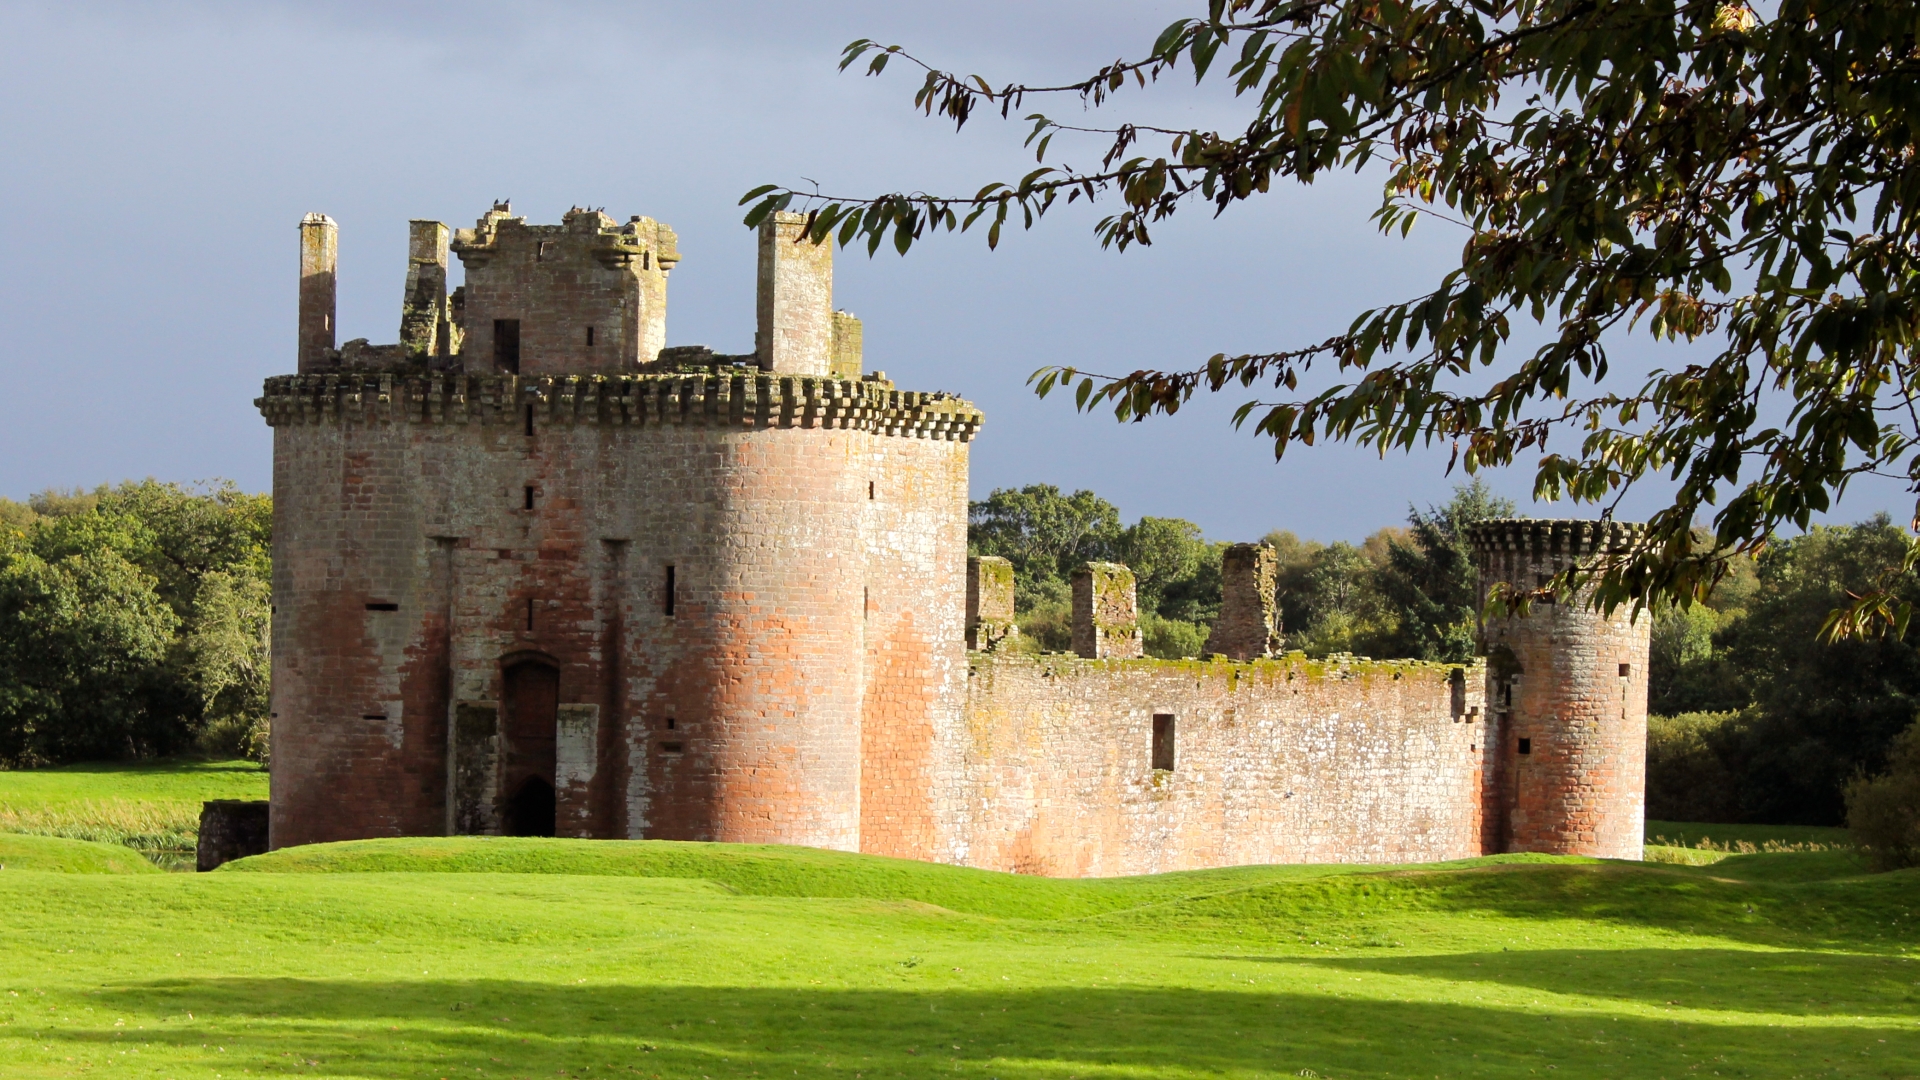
(587, 295)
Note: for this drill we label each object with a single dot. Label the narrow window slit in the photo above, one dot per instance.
(529, 420)
(1163, 734)
(383, 607)
(529, 497)
(667, 603)
(506, 345)
(589, 337)
(529, 613)
(1526, 746)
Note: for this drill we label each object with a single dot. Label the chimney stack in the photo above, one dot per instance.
(319, 262)
(794, 333)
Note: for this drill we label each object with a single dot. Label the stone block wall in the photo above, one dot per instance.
(1276, 761)
(1249, 623)
(1106, 620)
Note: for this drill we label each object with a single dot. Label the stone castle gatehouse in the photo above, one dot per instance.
(537, 573)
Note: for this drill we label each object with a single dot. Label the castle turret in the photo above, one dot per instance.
(1567, 687)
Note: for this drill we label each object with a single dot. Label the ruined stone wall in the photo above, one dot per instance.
(585, 295)
(1275, 761)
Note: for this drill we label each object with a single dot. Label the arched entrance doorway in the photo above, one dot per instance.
(531, 701)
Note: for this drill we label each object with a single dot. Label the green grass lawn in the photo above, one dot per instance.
(693, 960)
(152, 807)
(500, 958)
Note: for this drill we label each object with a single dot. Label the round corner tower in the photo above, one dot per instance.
(536, 575)
(1567, 689)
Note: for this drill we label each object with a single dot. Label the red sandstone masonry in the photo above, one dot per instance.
(1278, 761)
(1572, 683)
(753, 592)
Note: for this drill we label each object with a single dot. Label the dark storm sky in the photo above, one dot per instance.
(158, 156)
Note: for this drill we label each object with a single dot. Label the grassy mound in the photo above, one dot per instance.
(773, 870)
(64, 856)
(1754, 897)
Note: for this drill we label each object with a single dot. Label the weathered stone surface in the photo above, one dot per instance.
(1277, 761)
(1249, 623)
(1106, 622)
(794, 334)
(989, 602)
(319, 269)
(635, 592)
(230, 829)
(1569, 685)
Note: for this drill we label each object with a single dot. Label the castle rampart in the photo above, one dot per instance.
(535, 573)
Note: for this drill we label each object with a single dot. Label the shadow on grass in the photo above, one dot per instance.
(1810, 984)
(503, 1028)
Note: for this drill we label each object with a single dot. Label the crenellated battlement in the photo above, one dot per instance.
(745, 400)
(1554, 536)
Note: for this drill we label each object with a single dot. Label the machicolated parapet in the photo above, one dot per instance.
(1567, 685)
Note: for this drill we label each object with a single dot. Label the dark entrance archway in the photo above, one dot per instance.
(531, 701)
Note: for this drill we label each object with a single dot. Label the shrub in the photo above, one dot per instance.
(1172, 639)
(1883, 811)
(1688, 776)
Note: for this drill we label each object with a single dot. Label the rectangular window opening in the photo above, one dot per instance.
(529, 613)
(670, 723)
(589, 337)
(373, 716)
(1526, 746)
(529, 420)
(529, 498)
(1163, 725)
(1626, 671)
(383, 607)
(866, 600)
(667, 603)
(506, 345)
(672, 747)
(870, 489)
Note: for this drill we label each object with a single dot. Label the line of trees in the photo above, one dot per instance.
(133, 623)
(1402, 592)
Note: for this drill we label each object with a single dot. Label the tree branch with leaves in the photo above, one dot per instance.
(1693, 171)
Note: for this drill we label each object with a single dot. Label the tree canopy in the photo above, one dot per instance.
(1698, 170)
(133, 623)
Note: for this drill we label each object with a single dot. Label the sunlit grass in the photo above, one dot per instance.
(153, 807)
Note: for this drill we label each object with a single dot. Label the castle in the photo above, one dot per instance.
(536, 573)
